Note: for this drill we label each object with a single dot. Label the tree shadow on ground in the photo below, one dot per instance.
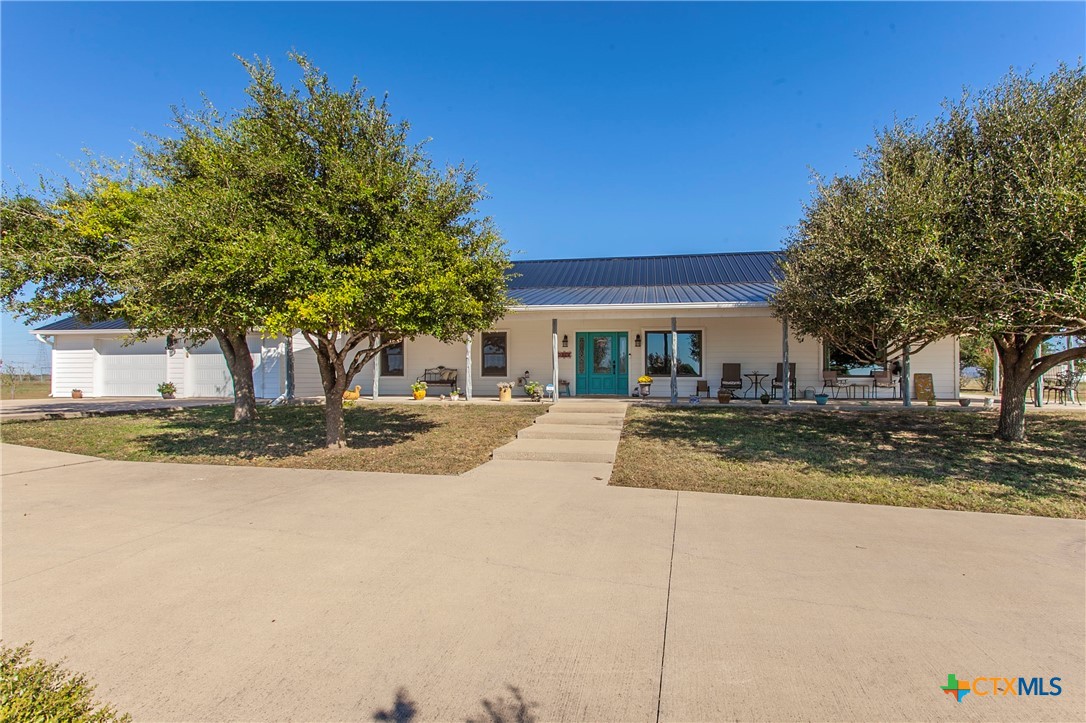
(516, 709)
(930, 445)
(278, 432)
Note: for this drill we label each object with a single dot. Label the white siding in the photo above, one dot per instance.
(73, 365)
(940, 359)
(129, 371)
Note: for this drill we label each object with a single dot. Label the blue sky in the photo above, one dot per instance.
(599, 129)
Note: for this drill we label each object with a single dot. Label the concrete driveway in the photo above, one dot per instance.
(66, 407)
(216, 593)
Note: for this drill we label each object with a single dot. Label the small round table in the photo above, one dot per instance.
(756, 383)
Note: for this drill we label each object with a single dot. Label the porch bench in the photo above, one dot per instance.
(439, 375)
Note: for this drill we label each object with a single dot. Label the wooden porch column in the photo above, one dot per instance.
(674, 361)
(1038, 386)
(467, 368)
(786, 374)
(554, 360)
(377, 373)
(906, 377)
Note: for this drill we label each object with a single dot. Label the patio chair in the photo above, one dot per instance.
(778, 381)
(835, 383)
(731, 377)
(883, 380)
(1054, 385)
(703, 386)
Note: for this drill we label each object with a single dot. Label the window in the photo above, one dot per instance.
(392, 360)
(658, 353)
(495, 357)
(858, 363)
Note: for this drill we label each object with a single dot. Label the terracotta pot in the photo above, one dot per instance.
(421, 394)
(167, 396)
(77, 394)
(724, 398)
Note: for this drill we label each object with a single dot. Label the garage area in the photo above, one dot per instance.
(130, 371)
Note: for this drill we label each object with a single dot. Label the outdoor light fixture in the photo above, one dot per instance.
(637, 341)
(565, 341)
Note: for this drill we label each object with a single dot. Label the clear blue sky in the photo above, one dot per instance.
(599, 129)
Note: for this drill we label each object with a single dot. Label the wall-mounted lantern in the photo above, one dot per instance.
(637, 341)
(565, 341)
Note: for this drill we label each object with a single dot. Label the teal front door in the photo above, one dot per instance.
(602, 362)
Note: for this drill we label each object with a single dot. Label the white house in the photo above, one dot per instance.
(610, 320)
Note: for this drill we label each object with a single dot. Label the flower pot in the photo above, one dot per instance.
(644, 389)
(724, 397)
(931, 402)
(454, 397)
(77, 394)
(821, 399)
(167, 396)
(764, 400)
(505, 395)
(965, 402)
(421, 394)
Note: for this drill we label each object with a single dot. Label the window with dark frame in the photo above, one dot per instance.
(658, 353)
(495, 354)
(392, 360)
(858, 365)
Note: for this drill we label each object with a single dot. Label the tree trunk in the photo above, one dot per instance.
(1016, 364)
(235, 349)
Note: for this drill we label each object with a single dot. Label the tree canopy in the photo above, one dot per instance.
(971, 224)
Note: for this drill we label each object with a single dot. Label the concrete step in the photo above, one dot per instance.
(569, 431)
(558, 450)
(586, 418)
(570, 407)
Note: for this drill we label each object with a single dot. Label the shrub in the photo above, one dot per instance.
(34, 690)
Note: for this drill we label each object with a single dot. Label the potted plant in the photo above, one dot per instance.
(931, 402)
(418, 390)
(965, 401)
(764, 398)
(166, 389)
(821, 399)
(77, 394)
(505, 391)
(644, 385)
(724, 396)
(534, 390)
(455, 395)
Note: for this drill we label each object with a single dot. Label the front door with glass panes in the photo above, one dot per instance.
(603, 362)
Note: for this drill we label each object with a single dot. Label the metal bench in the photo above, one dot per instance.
(439, 375)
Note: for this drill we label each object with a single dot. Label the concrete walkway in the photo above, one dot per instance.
(570, 431)
(236, 593)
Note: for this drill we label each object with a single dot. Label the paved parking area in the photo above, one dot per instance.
(236, 593)
(66, 407)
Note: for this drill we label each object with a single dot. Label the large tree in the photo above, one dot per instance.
(972, 225)
(207, 258)
(382, 246)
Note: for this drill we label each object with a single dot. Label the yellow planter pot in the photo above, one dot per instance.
(505, 395)
(419, 395)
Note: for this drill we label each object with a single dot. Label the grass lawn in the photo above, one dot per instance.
(924, 458)
(424, 439)
(28, 389)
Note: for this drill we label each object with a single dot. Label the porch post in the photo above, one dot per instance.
(786, 375)
(290, 366)
(906, 376)
(467, 368)
(674, 361)
(377, 372)
(1038, 386)
(554, 360)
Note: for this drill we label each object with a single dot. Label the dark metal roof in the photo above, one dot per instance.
(743, 293)
(749, 267)
(73, 323)
(730, 278)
